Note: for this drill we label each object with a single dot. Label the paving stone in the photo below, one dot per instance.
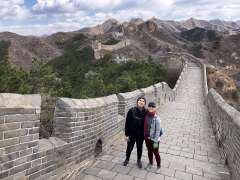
(154, 176)
(123, 177)
(186, 154)
(195, 177)
(106, 174)
(173, 152)
(194, 170)
(92, 171)
(201, 158)
(170, 178)
(121, 169)
(177, 166)
(188, 149)
(166, 171)
(105, 165)
(106, 157)
(138, 172)
(183, 175)
(89, 177)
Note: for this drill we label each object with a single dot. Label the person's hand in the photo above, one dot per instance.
(127, 138)
(155, 145)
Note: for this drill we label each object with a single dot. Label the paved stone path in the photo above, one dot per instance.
(188, 148)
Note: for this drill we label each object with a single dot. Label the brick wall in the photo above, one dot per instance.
(226, 127)
(78, 125)
(19, 132)
(127, 100)
(149, 93)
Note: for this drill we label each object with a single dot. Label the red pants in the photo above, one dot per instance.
(151, 151)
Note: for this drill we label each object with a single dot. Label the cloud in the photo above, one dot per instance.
(67, 15)
(53, 6)
(13, 9)
(40, 29)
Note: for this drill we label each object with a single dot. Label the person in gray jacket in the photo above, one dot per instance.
(152, 128)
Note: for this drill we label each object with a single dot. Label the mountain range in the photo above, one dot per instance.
(153, 37)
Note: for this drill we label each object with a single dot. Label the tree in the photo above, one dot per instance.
(125, 83)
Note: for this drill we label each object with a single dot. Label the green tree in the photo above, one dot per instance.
(125, 82)
(93, 86)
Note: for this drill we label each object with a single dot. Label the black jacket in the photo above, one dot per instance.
(134, 125)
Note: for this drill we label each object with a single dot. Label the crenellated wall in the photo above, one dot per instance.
(226, 126)
(19, 132)
(82, 128)
(226, 123)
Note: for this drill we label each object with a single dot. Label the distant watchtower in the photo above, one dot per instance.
(99, 48)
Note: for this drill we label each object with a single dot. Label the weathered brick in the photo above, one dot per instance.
(15, 133)
(1, 135)
(20, 161)
(33, 157)
(1, 119)
(32, 144)
(48, 169)
(9, 126)
(35, 149)
(33, 170)
(4, 174)
(14, 148)
(33, 130)
(29, 124)
(8, 111)
(21, 118)
(26, 139)
(36, 162)
(9, 142)
(20, 168)
(26, 152)
(36, 137)
(9, 157)
(7, 165)
(35, 175)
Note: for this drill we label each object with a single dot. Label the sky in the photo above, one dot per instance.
(44, 17)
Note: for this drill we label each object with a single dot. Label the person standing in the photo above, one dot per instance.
(152, 128)
(134, 130)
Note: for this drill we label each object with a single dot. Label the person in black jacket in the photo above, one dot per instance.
(134, 130)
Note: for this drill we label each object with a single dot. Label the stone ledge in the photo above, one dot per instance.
(10, 100)
(131, 94)
(86, 103)
(229, 110)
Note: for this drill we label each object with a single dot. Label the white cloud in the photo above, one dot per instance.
(13, 9)
(53, 6)
(75, 14)
(39, 30)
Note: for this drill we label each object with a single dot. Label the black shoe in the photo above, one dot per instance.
(158, 167)
(125, 162)
(139, 163)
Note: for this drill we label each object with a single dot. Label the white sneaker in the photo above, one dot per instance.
(149, 166)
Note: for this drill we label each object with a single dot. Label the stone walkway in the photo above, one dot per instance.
(188, 148)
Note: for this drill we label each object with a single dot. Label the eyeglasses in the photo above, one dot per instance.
(151, 106)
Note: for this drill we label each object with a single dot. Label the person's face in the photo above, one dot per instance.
(151, 109)
(141, 103)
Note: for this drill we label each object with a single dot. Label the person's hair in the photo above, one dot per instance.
(141, 97)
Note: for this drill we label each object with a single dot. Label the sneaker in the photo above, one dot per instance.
(125, 162)
(149, 166)
(139, 163)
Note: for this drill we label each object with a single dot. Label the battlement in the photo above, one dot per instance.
(99, 48)
(82, 127)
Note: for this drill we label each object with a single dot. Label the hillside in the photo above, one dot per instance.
(153, 37)
(216, 41)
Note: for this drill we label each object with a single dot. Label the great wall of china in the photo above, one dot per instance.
(82, 127)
